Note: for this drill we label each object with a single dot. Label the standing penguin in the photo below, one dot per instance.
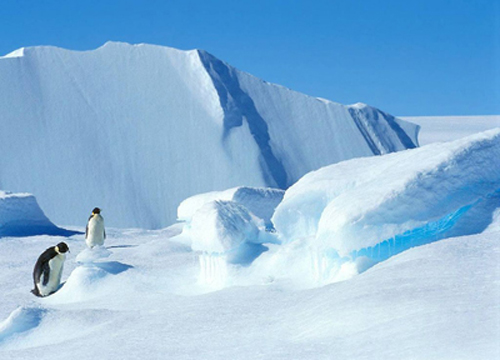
(95, 233)
(48, 270)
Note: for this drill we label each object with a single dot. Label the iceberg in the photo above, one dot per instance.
(136, 129)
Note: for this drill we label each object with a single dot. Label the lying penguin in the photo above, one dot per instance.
(95, 233)
(48, 270)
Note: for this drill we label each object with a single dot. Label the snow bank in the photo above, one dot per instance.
(93, 277)
(21, 320)
(376, 207)
(20, 215)
(261, 202)
(136, 129)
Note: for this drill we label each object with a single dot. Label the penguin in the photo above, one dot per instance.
(48, 270)
(95, 232)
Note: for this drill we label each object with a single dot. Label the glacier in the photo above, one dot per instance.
(136, 129)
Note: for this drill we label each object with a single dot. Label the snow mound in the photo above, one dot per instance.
(195, 125)
(21, 320)
(20, 215)
(94, 276)
(377, 207)
(91, 255)
(261, 202)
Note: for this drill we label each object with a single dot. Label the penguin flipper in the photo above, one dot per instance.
(45, 273)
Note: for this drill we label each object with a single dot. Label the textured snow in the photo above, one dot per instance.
(20, 215)
(136, 129)
(144, 301)
(149, 294)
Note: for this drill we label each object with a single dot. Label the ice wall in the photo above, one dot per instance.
(136, 129)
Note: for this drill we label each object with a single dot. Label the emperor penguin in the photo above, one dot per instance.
(95, 233)
(48, 270)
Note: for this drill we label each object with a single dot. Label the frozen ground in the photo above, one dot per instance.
(438, 301)
(164, 294)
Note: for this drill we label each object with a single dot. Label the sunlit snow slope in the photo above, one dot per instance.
(137, 129)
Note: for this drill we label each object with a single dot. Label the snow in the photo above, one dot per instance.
(261, 202)
(372, 208)
(436, 301)
(136, 129)
(20, 215)
(387, 257)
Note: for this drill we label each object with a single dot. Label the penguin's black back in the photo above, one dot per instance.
(42, 268)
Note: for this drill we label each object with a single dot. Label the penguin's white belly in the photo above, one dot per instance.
(95, 232)
(56, 265)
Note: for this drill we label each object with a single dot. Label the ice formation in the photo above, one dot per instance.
(224, 232)
(261, 202)
(136, 129)
(373, 208)
(20, 215)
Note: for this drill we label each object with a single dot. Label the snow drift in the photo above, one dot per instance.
(373, 208)
(137, 129)
(20, 215)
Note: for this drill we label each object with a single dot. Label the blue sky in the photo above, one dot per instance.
(407, 58)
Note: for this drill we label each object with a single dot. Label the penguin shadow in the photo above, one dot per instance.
(112, 267)
(95, 257)
(20, 321)
(120, 246)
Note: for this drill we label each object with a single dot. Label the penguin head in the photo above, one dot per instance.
(96, 211)
(62, 248)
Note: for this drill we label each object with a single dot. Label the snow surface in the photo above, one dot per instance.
(156, 294)
(136, 129)
(20, 215)
(438, 301)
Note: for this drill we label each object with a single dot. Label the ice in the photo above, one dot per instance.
(20, 215)
(373, 208)
(224, 232)
(261, 202)
(136, 129)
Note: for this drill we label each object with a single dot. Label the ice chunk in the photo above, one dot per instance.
(261, 202)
